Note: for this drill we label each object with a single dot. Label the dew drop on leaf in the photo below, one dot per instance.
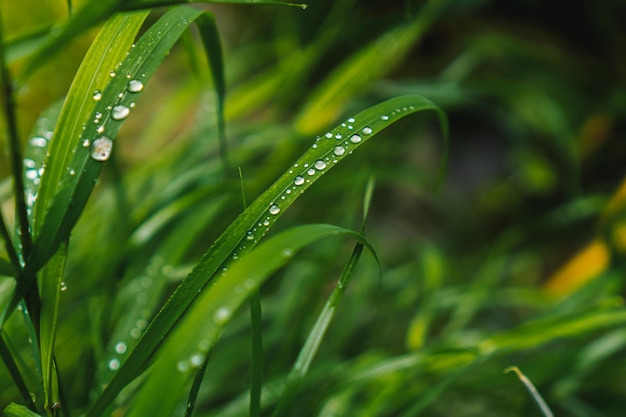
(339, 150)
(120, 347)
(274, 209)
(120, 112)
(298, 180)
(101, 148)
(367, 130)
(135, 86)
(320, 165)
(97, 95)
(355, 138)
(114, 364)
(221, 315)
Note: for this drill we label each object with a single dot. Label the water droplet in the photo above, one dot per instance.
(63, 286)
(114, 364)
(120, 95)
(274, 209)
(182, 366)
(288, 252)
(250, 235)
(320, 165)
(135, 86)
(221, 315)
(338, 136)
(367, 130)
(101, 148)
(351, 120)
(112, 74)
(298, 180)
(120, 112)
(100, 129)
(38, 142)
(339, 150)
(314, 146)
(266, 222)
(97, 95)
(135, 333)
(355, 138)
(120, 347)
(384, 117)
(29, 163)
(328, 135)
(31, 174)
(72, 172)
(310, 171)
(196, 360)
(86, 143)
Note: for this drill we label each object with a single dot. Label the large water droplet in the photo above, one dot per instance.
(310, 171)
(339, 150)
(298, 180)
(135, 86)
(120, 112)
(97, 95)
(320, 165)
(101, 148)
(367, 130)
(274, 209)
(355, 138)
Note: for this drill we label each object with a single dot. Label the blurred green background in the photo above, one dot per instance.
(518, 260)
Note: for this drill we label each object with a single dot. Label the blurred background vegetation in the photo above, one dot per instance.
(517, 261)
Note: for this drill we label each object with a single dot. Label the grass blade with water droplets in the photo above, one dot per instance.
(258, 218)
(190, 342)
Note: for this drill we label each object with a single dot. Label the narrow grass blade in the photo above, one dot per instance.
(316, 335)
(137, 4)
(51, 287)
(533, 391)
(256, 383)
(195, 387)
(258, 218)
(362, 69)
(90, 14)
(187, 346)
(14, 371)
(16, 410)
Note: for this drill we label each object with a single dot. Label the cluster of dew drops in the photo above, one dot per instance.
(102, 146)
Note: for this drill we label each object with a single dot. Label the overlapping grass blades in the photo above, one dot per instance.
(251, 225)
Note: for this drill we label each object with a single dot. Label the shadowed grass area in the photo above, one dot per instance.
(164, 164)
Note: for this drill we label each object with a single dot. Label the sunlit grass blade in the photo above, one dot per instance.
(159, 3)
(187, 346)
(258, 218)
(358, 72)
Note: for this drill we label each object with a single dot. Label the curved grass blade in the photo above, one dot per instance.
(258, 218)
(51, 287)
(316, 335)
(190, 342)
(532, 390)
(77, 170)
(143, 4)
(14, 371)
(363, 68)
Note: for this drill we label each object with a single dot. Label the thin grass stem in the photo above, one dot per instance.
(14, 371)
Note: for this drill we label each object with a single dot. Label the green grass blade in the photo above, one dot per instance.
(143, 4)
(258, 218)
(316, 335)
(187, 346)
(362, 69)
(14, 371)
(256, 380)
(90, 14)
(17, 410)
(213, 49)
(7, 268)
(533, 391)
(51, 287)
